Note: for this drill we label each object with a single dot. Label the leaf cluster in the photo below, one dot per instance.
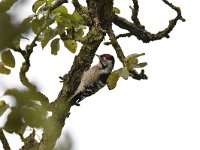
(131, 63)
(28, 111)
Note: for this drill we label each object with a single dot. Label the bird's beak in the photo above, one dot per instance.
(98, 57)
(100, 60)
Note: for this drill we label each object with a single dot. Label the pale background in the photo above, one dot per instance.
(161, 113)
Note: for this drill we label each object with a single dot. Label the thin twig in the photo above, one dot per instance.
(19, 50)
(57, 4)
(4, 141)
(119, 36)
(116, 45)
(135, 11)
(177, 9)
(138, 76)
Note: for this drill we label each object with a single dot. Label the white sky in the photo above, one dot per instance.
(160, 113)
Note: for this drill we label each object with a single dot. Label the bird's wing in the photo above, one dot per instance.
(89, 77)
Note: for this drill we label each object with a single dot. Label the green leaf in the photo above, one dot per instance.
(9, 32)
(23, 97)
(29, 108)
(3, 107)
(5, 5)
(71, 45)
(140, 65)
(4, 70)
(37, 24)
(48, 34)
(37, 4)
(132, 61)
(79, 34)
(116, 10)
(26, 23)
(55, 46)
(134, 56)
(61, 10)
(8, 59)
(14, 121)
(76, 19)
(112, 79)
(124, 73)
(34, 116)
(63, 21)
(60, 29)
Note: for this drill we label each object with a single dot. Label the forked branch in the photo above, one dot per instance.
(139, 31)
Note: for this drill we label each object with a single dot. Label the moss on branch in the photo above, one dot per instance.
(116, 45)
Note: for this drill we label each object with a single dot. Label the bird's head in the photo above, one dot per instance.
(106, 60)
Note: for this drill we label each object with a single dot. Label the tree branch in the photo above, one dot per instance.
(29, 142)
(138, 76)
(116, 45)
(177, 9)
(119, 36)
(135, 11)
(141, 33)
(4, 140)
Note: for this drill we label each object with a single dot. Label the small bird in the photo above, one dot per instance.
(94, 79)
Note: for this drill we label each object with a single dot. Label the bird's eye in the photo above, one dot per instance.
(103, 58)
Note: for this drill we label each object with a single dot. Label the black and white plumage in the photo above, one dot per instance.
(95, 78)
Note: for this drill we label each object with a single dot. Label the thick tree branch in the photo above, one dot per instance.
(4, 140)
(141, 33)
(77, 6)
(93, 12)
(105, 13)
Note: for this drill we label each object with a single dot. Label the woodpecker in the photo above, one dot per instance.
(94, 78)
